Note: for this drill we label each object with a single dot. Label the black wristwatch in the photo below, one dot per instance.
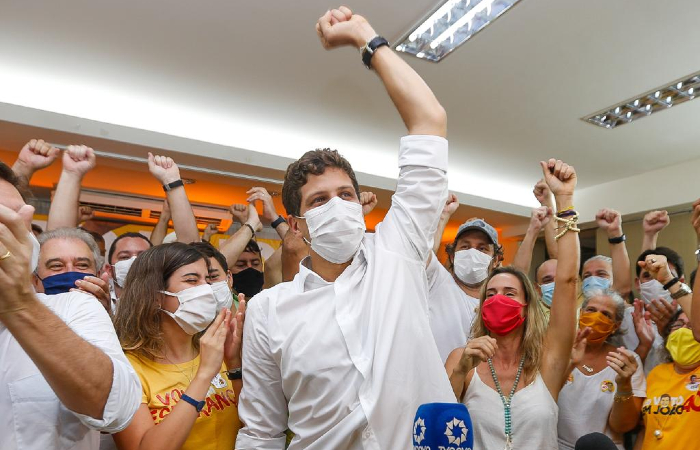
(670, 284)
(175, 184)
(235, 374)
(277, 222)
(370, 47)
(617, 240)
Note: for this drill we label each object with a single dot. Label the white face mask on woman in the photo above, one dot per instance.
(197, 308)
(336, 229)
(223, 295)
(472, 266)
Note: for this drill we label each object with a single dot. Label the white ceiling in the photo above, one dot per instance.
(251, 76)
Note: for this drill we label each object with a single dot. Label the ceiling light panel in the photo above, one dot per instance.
(450, 26)
(659, 99)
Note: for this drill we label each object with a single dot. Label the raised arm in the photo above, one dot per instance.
(164, 169)
(161, 228)
(695, 305)
(544, 196)
(539, 219)
(658, 268)
(654, 222)
(450, 207)
(611, 221)
(559, 339)
(232, 247)
(78, 160)
(34, 156)
(269, 215)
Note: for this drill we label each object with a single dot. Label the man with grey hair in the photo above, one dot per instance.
(69, 259)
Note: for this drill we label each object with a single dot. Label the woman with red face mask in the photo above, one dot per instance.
(606, 387)
(511, 371)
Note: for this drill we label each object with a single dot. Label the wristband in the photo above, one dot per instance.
(251, 228)
(370, 47)
(197, 405)
(668, 285)
(618, 240)
(170, 186)
(235, 374)
(278, 221)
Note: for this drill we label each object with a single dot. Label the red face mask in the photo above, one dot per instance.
(501, 314)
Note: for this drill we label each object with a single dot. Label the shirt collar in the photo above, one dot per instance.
(308, 280)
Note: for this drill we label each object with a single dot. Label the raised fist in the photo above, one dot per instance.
(610, 221)
(560, 177)
(658, 268)
(78, 160)
(540, 217)
(451, 206)
(655, 221)
(543, 194)
(37, 154)
(269, 214)
(340, 27)
(368, 200)
(163, 168)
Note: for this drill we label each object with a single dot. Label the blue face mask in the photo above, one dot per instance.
(547, 291)
(596, 283)
(62, 282)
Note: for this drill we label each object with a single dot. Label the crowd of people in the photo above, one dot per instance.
(335, 340)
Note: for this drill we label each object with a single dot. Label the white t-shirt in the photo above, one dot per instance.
(452, 312)
(585, 403)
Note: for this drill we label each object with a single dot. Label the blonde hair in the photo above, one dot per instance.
(535, 325)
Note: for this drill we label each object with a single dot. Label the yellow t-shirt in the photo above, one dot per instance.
(672, 407)
(163, 384)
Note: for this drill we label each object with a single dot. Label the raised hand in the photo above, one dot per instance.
(450, 207)
(368, 200)
(85, 213)
(211, 346)
(36, 155)
(209, 231)
(16, 251)
(234, 340)
(623, 363)
(543, 194)
(695, 218)
(579, 348)
(540, 217)
(642, 324)
(660, 312)
(658, 268)
(163, 168)
(559, 176)
(269, 214)
(340, 27)
(655, 221)
(78, 160)
(239, 212)
(610, 221)
(477, 351)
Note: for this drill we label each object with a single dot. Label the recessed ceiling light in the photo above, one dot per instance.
(648, 103)
(451, 25)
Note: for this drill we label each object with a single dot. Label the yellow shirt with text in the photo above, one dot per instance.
(672, 407)
(163, 385)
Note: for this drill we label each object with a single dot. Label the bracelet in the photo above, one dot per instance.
(569, 213)
(278, 221)
(670, 284)
(622, 397)
(617, 240)
(175, 184)
(197, 405)
(235, 374)
(251, 228)
(570, 208)
(567, 225)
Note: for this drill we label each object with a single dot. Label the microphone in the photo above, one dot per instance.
(595, 441)
(442, 426)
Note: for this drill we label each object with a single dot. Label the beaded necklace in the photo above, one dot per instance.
(506, 400)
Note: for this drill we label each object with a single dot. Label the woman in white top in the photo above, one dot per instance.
(606, 388)
(510, 373)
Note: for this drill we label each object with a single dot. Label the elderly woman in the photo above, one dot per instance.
(605, 390)
(671, 411)
(511, 371)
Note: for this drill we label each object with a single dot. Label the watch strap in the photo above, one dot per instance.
(235, 374)
(617, 240)
(681, 292)
(252, 230)
(197, 405)
(668, 285)
(175, 184)
(370, 47)
(277, 222)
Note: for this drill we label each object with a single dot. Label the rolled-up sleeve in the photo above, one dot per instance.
(262, 407)
(89, 320)
(421, 192)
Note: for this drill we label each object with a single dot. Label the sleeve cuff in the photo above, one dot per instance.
(423, 150)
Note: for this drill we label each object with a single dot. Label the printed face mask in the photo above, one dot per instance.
(683, 347)
(471, 266)
(601, 326)
(62, 282)
(248, 282)
(547, 292)
(596, 283)
(336, 229)
(121, 270)
(502, 314)
(224, 296)
(652, 289)
(197, 308)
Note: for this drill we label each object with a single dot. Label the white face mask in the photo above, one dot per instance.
(197, 308)
(36, 249)
(472, 266)
(121, 269)
(652, 289)
(336, 229)
(223, 295)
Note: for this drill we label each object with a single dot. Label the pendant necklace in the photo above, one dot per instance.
(506, 400)
(587, 369)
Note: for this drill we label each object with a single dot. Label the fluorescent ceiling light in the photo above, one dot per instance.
(659, 99)
(450, 26)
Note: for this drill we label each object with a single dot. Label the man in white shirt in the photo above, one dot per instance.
(63, 376)
(342, 355)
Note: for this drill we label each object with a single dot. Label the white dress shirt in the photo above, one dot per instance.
(452, 311)
(345, 365)
(32, 416)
